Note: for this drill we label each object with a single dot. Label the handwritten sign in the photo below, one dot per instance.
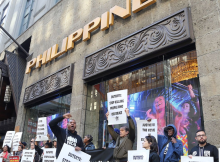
(68, 154)
(28, 156)
(14, 159)
(145, 128)
(117, 102)
(8, 138)
(197, 159)
(42, 129)
(138, 155)
(16, 140)
(49, 155)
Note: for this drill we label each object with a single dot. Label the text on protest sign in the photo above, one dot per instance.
(14, 159)
(42, 129)
(145, 128)
(28, 156)
(68, 154)
(117, 102)
(8, 138)
(16, 140)
(138, 155)
(49, 155)
(197, 159)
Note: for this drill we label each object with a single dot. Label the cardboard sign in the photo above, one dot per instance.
(145, 128)
(117, 102)
(49, 155)
(138, 155)
(16, 139)
(8, 138)
(14, 158)
(68, 153)
(197, 159)
(28, 156)
(42, 129)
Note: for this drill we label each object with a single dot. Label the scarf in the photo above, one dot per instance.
(5, 155)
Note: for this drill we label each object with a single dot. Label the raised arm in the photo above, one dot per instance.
(111, 130)
(131, 125)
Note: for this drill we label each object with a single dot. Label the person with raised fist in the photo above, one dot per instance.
(68, 136)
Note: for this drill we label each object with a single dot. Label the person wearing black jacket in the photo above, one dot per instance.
(203, 148)
(68, 136)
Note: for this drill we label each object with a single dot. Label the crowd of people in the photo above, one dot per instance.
(167, 149)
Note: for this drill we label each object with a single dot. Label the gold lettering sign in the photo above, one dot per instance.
(106, 19)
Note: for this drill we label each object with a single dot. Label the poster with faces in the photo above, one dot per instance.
(68, 153)
(42, 129)
(145, 128)
(49, 155)
(117, 102)
(138, 155)
(16, 140)
(197, 159)
(8, 138)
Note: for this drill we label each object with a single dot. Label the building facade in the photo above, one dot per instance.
(165, 52)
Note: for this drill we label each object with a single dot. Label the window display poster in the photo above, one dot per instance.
(49, 155)
(145, 128)
(138, 155)
(8, 138)
(42, 129)
(117, 102)
(16, 140)
(28, 156)
(197, 159)
(68, 153)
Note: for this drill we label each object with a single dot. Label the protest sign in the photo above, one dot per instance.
(117, 102)
(145, 128)
(8, 138)
(1, 159)
(68, 153)
(28, 156)
(14, 159)
(197, 159)
(16, 140)
(49, 155)
(138, 155)
(42, 129)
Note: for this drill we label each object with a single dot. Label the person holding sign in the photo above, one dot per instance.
(150, 143)
(6, 153)
(19, 152)
(36, 155)
(203, 148)
(125, 140)
(68, 136)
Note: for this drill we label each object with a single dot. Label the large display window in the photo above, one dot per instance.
(51, 110)
(168, 91)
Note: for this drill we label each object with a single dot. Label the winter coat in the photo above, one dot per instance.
(90, 146)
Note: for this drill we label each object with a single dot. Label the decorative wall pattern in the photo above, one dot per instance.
(165, 33)
(50, 84)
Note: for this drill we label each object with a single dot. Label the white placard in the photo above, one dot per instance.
(138, 155)
(68, 153)
(145, 128)
(197, 159)
(42, 129)
(49, 155)
(28, 156)
(8, 138)
(16, 140)
(1, 159)
(117, 102)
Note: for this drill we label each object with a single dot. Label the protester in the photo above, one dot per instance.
(19, 152)
(55, 143)
(150, 143)
(203, 148)
(40, 151)
(68, 136)
(88, 142)
(6, 153)
(113, 142)
(36, 156)
(24, 144)
(125, 140)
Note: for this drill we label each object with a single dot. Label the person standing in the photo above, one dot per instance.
(6, 153)
(125, 140)
(68, 136)
(19, 152)
(203, 148)
(88, 142)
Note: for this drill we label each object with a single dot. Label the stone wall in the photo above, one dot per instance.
(69, 15)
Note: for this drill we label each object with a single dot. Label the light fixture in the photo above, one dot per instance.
(7, 95)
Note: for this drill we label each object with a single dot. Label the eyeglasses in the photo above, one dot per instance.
(203, 135)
